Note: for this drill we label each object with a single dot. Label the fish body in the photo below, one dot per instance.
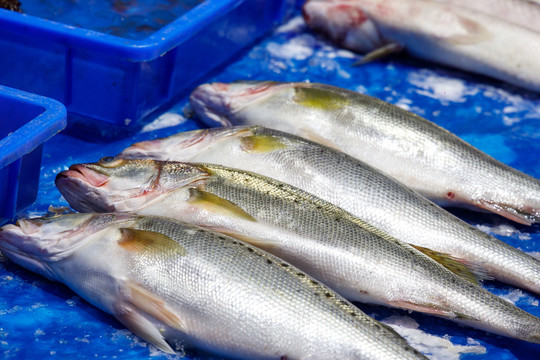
(170, 282)
(331, 245)
(520, 12)
(413, 150)
(441, 32)
(352, 185)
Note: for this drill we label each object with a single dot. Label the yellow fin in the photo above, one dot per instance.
(319, 99)
(149, 241)
(217, 204)
(142, 327)
(450, 263)
(152, 305)
(261, 143)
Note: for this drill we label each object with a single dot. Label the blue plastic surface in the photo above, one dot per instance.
(26, 122)
(106, 80)
(42, 319)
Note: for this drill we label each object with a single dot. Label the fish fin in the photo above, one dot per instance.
(431, 309)
(474, 33)
(380, 52)
(507, 211)
(152, 305)
(318, 98)
(216, 204)
(264, 244)
(310, 135)
(451, 263)
(261, 144)
(142, 327)
(149, 241)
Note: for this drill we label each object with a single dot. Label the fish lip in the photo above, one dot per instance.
(75, 188)
(83, 173)
(215, 110)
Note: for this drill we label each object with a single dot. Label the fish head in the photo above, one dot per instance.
(39, 242)
(344, 22)
(125, 185)
(216, 103)
(183, 146)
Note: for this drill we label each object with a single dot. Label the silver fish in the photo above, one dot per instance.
(520, 12)
(352, 185)
(331, 245)
(415, 151)
(168, 282)
(444, 33)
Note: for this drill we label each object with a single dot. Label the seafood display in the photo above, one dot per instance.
(337, 249)
(245, 220)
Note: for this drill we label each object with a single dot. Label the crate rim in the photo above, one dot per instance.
(147, 49)
(35, 132)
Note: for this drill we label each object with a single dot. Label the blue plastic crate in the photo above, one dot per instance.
(26, 122)
(113, 80)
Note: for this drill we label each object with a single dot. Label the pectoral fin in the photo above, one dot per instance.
(137, 305)
(311, 135)
(261, 144)
(379, 53)
(431, 309)
(143, 328)
(474, 33)
(135, 240)
(216, 204)
(508, 212)
(265, 244)
(151, 304)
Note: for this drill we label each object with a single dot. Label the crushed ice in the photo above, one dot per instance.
(434, 347)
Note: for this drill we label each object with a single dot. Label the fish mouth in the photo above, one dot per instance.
(81, 172)
(211, 103)
(82, 189)
(216, 103)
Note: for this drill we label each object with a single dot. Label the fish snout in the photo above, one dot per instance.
(27, 226)
(81, 172)
(211, 103)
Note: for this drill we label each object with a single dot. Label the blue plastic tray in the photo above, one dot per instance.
(26, 122)
(42, 319)
(102, 78)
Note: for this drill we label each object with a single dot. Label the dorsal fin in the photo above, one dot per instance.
(449, 262)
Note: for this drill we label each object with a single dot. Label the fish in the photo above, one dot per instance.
(351, 184)
(413, 150)
(520, 12)
(170, 282)
(321, 239)
(444, 33)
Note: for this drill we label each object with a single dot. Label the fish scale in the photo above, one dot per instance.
(354, 186)
(323, 240)
(230, 297)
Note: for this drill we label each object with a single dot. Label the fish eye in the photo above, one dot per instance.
(110, 161)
